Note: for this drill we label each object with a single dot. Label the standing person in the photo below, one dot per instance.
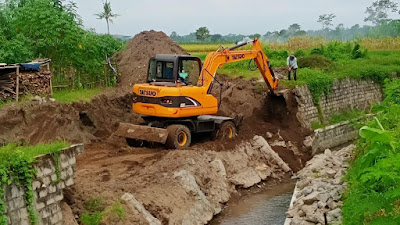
(291, 62)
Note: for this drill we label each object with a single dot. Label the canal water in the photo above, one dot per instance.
(265, 207)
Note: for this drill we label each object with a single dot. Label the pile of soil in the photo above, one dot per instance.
(35, 122)
(133, 60)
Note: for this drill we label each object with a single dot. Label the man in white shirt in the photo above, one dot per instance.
(291, 62)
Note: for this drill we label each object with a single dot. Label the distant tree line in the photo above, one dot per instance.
(377, 14)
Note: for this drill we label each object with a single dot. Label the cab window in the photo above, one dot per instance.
(159, 70)
(188, 71)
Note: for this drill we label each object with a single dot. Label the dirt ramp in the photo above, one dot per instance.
(133, 60)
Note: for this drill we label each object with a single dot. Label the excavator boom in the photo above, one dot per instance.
(218, 59)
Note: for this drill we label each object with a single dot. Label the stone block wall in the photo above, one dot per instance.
(307, 112)
(48, 192)
(345, 94)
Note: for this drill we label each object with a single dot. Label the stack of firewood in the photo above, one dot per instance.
(7, 87)
(30, 82)
(35, 82)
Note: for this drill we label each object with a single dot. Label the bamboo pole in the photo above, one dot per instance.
(17, 91)
(51, 83)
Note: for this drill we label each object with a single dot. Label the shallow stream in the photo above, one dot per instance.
(267, 206)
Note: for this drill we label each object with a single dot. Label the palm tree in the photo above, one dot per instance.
(107, 14)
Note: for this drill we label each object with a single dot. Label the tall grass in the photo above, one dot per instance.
(388, 43)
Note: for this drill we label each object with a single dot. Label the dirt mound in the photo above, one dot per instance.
(133, 60)
(262, 113)
(36, 122)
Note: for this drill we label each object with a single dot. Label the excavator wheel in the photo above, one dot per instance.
(179, 137)
(226, 131)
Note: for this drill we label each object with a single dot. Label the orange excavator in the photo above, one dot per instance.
(176, 101)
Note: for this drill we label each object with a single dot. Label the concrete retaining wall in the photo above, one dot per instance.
(345, 94)
(48, 193)
(333, 136)
(336, 135)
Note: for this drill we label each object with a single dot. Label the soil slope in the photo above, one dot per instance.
(133, 60)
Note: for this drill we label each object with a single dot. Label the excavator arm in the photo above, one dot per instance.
(218, 59)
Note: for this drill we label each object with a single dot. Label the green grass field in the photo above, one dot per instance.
(68, 96)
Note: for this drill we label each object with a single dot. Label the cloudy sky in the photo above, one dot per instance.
(220, 16)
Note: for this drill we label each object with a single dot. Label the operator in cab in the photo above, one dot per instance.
(291, 62)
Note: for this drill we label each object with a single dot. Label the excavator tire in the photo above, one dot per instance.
(227, 130)
(179, 137)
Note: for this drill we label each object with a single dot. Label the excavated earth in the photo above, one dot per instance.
(173, 186)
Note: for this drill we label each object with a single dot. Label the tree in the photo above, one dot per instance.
(294, 28)
(377, 13)
(202, 33)
(255, 36)
(173, 34)
(339, 31)
(326, 20)
(107, 14)
(216, 37)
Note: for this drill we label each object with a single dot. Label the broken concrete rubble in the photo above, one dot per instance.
(318, 192)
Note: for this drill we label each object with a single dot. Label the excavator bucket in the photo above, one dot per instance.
(282, 92)
(144, 133)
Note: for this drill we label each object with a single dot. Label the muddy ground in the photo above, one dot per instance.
(109, 167)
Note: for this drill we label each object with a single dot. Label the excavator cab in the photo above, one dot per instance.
(168, 70)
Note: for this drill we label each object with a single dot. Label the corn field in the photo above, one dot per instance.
(296, 43)
(387, 43)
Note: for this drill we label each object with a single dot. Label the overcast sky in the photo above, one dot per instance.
(220, 16)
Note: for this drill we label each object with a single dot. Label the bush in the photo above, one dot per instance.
(314, 62)
(337, 50)
(318, 82)
(392, 91)
(356, 53)
(300, 53)
(276, 54)
(318, 51)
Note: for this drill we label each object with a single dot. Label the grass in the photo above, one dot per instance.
(338, 118)
(29, 152)
(98, 212)
(69, 96)
(2, 103)
(66, 96)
